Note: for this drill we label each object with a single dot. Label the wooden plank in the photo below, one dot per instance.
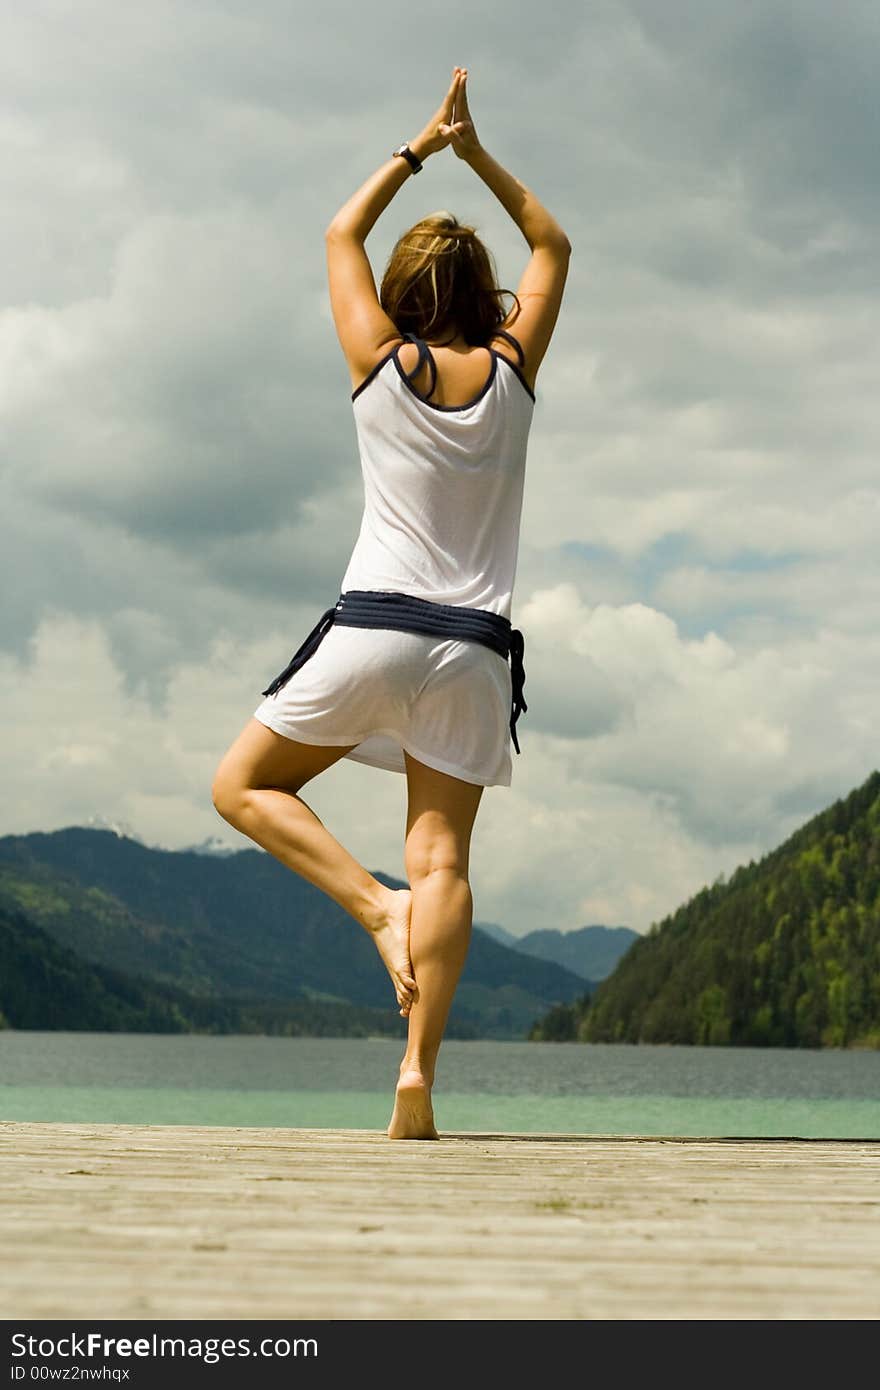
(168, 1221)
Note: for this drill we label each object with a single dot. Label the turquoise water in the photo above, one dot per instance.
(483, 1087)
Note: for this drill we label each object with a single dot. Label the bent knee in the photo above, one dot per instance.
(228, 794)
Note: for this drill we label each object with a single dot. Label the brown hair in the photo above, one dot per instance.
(440, 279)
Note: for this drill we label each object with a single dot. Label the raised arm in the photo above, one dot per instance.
(361, 323)
(543, 280)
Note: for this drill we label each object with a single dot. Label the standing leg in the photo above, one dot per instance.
(255, 789)
(440, 817)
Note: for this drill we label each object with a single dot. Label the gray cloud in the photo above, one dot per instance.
(179, 490)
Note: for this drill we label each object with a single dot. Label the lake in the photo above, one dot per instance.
(562, 1088)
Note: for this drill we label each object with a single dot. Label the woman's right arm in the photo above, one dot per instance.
(543, 281)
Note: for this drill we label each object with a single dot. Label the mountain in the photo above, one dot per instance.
(784, 954)
(44, 985)
(212, 845)
(118, 827)
(47, 986)
(497, 933)
(591, 952)
(241, 926)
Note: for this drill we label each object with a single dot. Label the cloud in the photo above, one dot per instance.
(179, 490)
(723, 734)
(80, 742)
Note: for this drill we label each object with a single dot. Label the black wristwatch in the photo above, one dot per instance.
(412, 159)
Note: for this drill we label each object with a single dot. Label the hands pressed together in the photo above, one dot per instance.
(452, 123)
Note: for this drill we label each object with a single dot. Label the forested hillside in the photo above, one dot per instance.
(47, 986)
(242, 927)
(786, 953)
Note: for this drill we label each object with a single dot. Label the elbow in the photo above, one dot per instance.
(336, 230)
(557, 242)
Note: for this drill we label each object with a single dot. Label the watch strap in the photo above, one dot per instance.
(412, 159)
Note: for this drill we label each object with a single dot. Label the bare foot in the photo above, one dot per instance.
(391, 936)
(413, 1116)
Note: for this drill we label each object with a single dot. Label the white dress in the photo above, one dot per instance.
(443, 491)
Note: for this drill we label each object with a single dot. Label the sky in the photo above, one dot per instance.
(179, 481)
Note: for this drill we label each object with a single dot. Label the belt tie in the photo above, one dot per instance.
(308, 648)
(518, 678)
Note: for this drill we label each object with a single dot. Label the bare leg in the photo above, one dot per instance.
(255, 789)
(440, 818)
(440, 934)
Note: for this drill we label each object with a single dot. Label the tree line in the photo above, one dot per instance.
(786, 953)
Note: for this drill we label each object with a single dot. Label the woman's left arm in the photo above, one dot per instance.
(361, 322)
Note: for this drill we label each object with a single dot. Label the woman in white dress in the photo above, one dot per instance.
(442, 433)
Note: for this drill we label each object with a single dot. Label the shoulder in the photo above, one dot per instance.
(509, 348)
(369, 366)
(502, 348)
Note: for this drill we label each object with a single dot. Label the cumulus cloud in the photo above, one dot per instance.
(80, 743)
(722, 733)
(179, 490)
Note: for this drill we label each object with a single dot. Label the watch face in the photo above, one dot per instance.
(411, 158)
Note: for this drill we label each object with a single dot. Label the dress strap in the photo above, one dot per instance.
(502, 333)
(425, 355)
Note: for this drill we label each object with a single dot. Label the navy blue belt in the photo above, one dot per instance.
(404, 613)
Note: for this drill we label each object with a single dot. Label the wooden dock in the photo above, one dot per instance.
(158, 1221)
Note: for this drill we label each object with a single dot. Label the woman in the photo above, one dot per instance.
(402, 673)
